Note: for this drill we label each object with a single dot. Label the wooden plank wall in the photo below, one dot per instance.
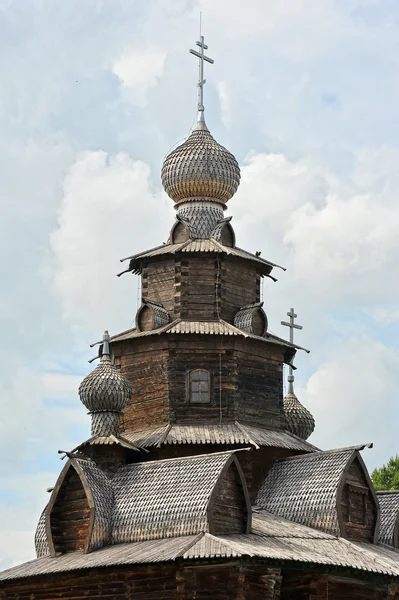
(201, 287)
(158, 283)
(229, 511)
(70, 516)
(201, 352)
(321, 586)
(250, 380)
(259, 398)
(355, 530)
(197, 292)
(144, 363)
(233, 580)
(239, 286)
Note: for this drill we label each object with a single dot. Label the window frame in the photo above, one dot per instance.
(190, 383)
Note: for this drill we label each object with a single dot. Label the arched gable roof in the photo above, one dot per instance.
(169, 498)
(99, 494)
(307, 489)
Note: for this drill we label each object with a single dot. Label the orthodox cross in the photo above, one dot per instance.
(201, 80)
(292, 325)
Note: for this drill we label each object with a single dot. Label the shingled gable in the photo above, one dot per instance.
(272, 538)
(389, 528)
(78, 515)
(330, 491)
(144, 501)
(182, 496)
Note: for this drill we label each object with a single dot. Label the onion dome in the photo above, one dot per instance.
(300, 421)
(105, 393)
(200, 169)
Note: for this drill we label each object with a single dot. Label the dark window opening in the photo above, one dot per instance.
(199, 386)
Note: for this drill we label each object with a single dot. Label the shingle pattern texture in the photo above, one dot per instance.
(103, 497)
(216, 232)
(144, 501)
(272, 538)
(304, 489)
(243, 319)
(299, 419)
(229, 433)
(200, 167)
(41, 543)
(104, 389)
(104, 424)
(164, 498)
(201, 218)
(161, 316)
(389, 505)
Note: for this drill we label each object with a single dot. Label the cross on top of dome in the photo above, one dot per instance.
(201, 80)
(200, 170)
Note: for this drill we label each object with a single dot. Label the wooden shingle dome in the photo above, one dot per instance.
(200, 168)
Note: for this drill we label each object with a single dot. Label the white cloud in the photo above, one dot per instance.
(352, 397)
(109, 211)
(139, 71)
(339, 235)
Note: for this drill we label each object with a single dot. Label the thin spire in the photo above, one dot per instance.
(292, 325)
(106, 338)
(201, 80)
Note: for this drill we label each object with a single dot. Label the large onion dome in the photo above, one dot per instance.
(300, 421)
(200, 168)
(105, 393)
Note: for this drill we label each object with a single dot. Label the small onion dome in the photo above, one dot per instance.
(105, 389)
(200, 168)
(300, 421)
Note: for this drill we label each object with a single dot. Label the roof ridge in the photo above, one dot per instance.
(190, 544)
(182, 458)
(348, 450)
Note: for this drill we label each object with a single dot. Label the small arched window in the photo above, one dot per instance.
(200, 386)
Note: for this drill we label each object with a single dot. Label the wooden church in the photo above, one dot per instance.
(197, 480)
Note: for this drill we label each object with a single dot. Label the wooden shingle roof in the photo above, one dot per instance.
(272, 538)
(228, 433)
(389, 526)
(215, 327)
(147, 500)
(165, 498)
(304, 488)
(194, 246)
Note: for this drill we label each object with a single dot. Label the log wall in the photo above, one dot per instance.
(359, 510)
(229, 513)
(240, 286)
(144, 363)
(246, 380)
(169, 582)
(70, 515)
(259, 397)
(158, 283)
(321, 586)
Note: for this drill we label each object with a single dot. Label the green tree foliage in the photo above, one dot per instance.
(387, 476)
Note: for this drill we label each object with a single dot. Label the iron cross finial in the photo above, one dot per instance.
(292, 325)
(201, 80)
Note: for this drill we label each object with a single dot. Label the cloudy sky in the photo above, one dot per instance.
(93, 95)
